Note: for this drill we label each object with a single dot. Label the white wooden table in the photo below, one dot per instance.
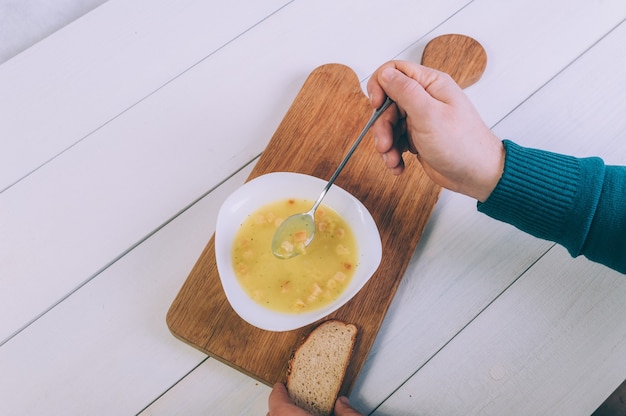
(122, 132)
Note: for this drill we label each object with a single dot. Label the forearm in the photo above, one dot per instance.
(578, 203)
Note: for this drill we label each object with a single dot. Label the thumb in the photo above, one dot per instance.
(407, 92)
(343, 408)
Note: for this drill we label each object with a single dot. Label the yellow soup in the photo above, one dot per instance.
(305, 282)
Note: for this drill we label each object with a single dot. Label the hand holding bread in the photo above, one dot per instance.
(316, 373)
(281, 405)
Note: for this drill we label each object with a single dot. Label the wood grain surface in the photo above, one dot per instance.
(461, 56)
(324, 119)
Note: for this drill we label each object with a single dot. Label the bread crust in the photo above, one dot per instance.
(318, 366)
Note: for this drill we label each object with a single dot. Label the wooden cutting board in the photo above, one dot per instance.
(323, 121)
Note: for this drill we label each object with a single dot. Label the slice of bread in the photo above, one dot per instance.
(318, 366)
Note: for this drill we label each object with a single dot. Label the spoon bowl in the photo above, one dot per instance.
(294, 235)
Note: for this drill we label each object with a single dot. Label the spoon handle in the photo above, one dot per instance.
(371, 121)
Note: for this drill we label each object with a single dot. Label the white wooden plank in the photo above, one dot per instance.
(522, 41)
(212, 389)
(585, 116)
(22, 24)
(109, 191)
(552, 344)
(102, 65)
(106, 349)
(539, 350)
(465, 259)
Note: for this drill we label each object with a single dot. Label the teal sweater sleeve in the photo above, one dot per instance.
(578, 203)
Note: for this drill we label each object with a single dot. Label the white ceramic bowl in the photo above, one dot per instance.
(282, 185)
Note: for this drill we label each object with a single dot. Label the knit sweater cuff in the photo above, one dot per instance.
(548, 195)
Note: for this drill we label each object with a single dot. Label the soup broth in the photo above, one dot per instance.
(306, 282)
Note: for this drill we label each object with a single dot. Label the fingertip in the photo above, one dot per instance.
(376, 96)
(398, 169)
(371, 90)
(375, 91)
(280, 387)
(278, 391)
(393, 163)
(344, 408)
(392, 159)
(383, 143)
(388, 74)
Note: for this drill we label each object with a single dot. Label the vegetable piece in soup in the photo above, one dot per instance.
(303, 283)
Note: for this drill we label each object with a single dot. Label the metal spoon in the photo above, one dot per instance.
(296, 232)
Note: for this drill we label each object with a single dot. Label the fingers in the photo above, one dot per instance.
(386, 133)
(405, 91)
(279, 394)
(278, 398)
(378, 86)
(390, 131)
(280, 403)
(343, 408)
(407, 83)
(375, 91)
(424, 100)
(391, 153)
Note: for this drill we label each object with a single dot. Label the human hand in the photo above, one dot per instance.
(434, 119)
(281, 405)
